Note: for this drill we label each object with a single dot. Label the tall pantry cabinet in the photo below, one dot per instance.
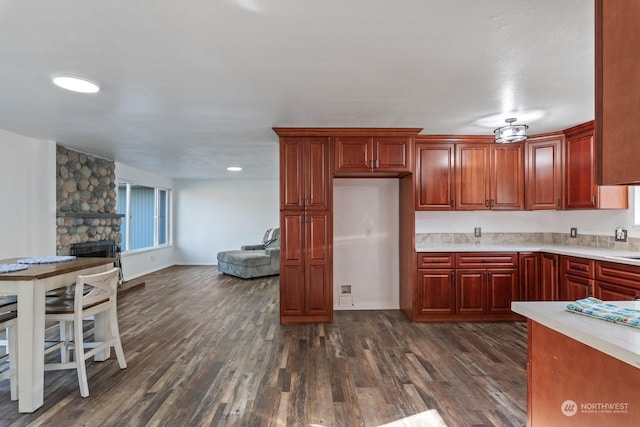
(305, 229)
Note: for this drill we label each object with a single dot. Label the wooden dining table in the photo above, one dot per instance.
(30, 287)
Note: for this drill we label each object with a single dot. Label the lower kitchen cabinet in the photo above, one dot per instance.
(529, 272)
(548, 290)
(616, 282)
(576, 278)
(466, 286)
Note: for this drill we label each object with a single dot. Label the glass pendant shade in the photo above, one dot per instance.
(511, 132)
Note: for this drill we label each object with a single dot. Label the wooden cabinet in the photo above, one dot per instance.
(581, 191)
(544, 179)
(466, 286)
(436, 290)
(385, 154)
(486, 283)
(549, 275)
(305, 173)
(616, 282)
(473, 176)
(529, 270)
(306, 238)
(468, 173)
(617, 90)
(576, 278)
(435, 184)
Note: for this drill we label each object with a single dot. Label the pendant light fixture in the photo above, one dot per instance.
(511, 132)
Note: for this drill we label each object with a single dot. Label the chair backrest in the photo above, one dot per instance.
(104, 288)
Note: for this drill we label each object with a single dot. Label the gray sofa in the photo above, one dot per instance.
(253, 260)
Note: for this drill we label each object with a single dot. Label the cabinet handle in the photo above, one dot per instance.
(306, 202)
(579, 267)
(453, 203)
(636, 298)
(558, 202)
(484, 276)
(593, 199)
(486, 203)
(453, 277)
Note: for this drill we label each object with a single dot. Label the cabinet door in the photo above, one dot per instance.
(580, 173)
(471, 295)
(305, 173)
(548, 277)
(292, 272)
(473, 167)
(292, 181)
(434, 176)
(617, 90)
(529, 276)
(354, 153)
(392, 154)
(507, 177)
(318, 174)
(436, 292)
(544, 172)
(610, 292)
(573, 287)
(581, 190)
(318, 280)
(502, 288)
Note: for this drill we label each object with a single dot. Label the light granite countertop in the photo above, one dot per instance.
(600, 254)
(619, 341)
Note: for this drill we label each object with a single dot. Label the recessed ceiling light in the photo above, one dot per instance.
(75, 83)
(234, 168)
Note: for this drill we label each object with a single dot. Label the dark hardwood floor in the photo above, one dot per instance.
(207, 349)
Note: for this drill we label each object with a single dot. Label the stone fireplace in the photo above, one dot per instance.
(85, 200)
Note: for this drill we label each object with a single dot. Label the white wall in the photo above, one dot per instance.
(218, 215)
(27, 191)
(601, 222)
(369, 264)
(138, 263)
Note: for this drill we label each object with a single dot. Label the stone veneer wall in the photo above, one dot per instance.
(588, 240)
(86, 199)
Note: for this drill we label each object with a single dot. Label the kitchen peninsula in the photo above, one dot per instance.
(581, 371)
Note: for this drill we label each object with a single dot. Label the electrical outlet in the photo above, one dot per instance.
(620, 235)
(345, 289)
(368, 231)
(477, 232)
(574, 232)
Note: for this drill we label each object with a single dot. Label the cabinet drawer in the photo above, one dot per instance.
(486, 260)
(619, 274)
(577, 266)
(435, 260)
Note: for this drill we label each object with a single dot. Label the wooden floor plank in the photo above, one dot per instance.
(204, 348)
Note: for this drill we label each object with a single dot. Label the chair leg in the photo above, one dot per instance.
(12, 346)
(115, 334)
(78, 354)
(66, 336)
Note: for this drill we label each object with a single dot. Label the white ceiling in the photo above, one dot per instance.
(190, 87)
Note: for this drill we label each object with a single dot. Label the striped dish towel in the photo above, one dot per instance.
(594, 307)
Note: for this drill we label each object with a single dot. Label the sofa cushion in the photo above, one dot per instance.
(247, 258)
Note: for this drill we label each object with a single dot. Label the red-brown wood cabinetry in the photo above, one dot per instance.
(616, 282)
(548, 277)
(383, 154)
(544, 172)
(306, 282)
(576, 278)
(580, 182)
(473, 176)
(436, 290)
(529, 269)
(435, 168)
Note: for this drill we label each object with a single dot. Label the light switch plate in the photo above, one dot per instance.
(477, 232)
(574, 232)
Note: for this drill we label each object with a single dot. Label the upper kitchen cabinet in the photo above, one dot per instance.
(617, 92)
(544, 171)
(305, 172)
(385, 152)
(435, 175)
(468, 173)
(581, 191)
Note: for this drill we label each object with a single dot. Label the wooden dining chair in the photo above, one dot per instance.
(73, 310)
(10, 356)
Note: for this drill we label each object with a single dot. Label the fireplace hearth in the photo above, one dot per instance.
(99, 249)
